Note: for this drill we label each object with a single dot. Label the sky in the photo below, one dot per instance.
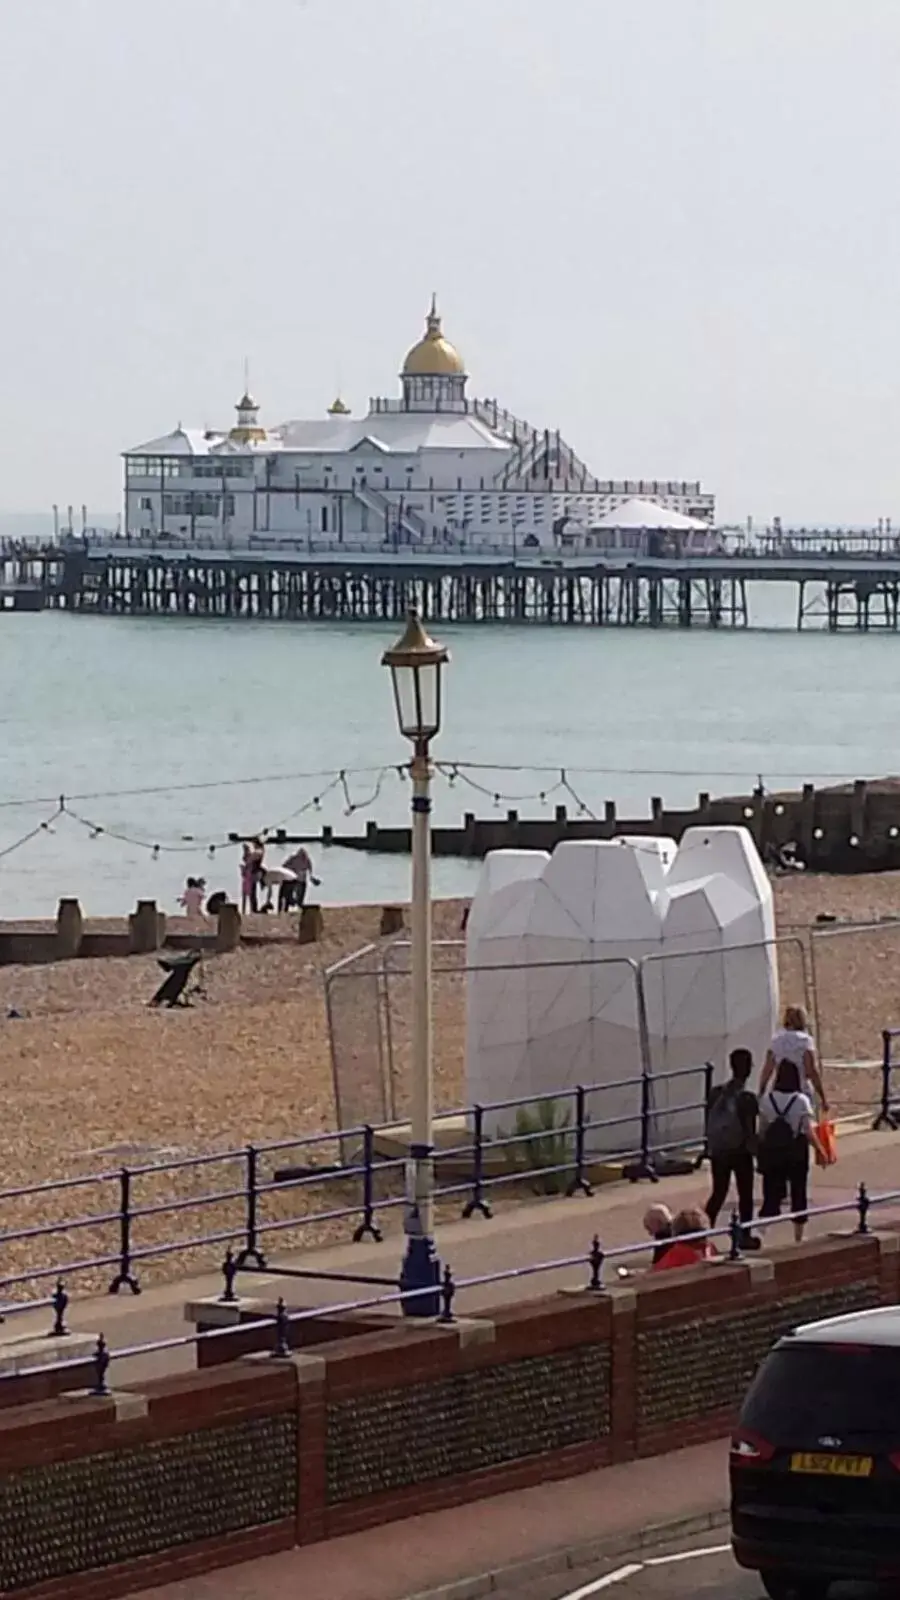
(667, 227)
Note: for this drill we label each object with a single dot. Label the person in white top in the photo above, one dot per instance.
(785, 1130)
(794, 1042)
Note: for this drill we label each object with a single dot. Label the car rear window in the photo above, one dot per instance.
(807, 1390)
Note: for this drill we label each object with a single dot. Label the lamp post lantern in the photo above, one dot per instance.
(416, 664)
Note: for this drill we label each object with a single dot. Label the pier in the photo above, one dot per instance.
(857, 589)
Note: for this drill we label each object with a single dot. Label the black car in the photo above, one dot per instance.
(815, 1458)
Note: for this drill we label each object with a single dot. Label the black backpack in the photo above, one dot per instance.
(779, 1138)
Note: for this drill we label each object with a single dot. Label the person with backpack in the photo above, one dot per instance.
(786, 1131)
(731, 1142)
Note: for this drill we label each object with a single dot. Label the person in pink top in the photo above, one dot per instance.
(193, 896)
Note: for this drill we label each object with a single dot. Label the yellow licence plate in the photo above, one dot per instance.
(833, 1466)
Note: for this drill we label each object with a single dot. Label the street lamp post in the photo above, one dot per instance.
(416, 664)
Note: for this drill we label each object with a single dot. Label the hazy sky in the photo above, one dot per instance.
(668, 227)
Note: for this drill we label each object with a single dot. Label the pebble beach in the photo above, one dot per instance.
(92, 1079)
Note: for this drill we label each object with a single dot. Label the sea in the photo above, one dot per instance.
(165, 735)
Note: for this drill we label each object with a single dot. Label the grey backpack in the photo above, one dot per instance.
(725, 1134)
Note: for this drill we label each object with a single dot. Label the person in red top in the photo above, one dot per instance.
(683, 1251)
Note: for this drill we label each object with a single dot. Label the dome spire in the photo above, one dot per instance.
(433, 356)
(246, 402)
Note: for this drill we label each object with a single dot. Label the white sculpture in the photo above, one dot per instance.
(554, 1001)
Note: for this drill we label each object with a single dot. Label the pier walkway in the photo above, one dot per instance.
(325, 580)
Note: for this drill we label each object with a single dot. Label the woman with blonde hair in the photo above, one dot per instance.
(690, 1242)
(794, 1042)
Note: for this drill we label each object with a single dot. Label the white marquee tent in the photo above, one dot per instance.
(647, 514)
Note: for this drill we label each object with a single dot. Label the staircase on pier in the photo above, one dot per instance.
(539, 455)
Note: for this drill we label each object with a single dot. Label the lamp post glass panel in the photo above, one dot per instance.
(416, 663)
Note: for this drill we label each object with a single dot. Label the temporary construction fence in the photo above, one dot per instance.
(855, 980)
(369, 1007)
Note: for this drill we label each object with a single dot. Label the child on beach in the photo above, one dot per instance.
(192, 897)
(248, 879)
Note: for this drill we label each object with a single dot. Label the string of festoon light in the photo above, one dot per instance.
(352, 789)
(343, 784)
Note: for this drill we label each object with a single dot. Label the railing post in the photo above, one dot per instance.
(579, 1182)
(862, 1205)
(885, 1117)
(229, 1273)
(735, 1233)
(282, 1348)
(476, 1201)
(101, 1367)
(368, 1228)
(59, 1302)
(447, 1293)
(595, 1261)
(644, 1167)
(251, 1250)
(124, 1274)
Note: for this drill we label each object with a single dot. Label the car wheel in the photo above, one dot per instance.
(783, 1586)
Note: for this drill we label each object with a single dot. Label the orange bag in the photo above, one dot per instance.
(827, 1135)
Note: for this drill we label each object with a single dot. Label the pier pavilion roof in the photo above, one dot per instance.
(394, 431)
(180, 442)
(391, 431)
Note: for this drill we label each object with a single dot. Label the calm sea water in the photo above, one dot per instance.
(98, 705)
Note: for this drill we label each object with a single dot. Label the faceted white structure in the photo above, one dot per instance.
(557, 943)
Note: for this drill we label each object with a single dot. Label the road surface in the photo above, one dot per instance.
(696, 1569)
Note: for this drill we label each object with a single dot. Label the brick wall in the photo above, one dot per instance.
(101, 1496)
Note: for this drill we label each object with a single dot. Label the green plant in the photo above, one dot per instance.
(542, 1142)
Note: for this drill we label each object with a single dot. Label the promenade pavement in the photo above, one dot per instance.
(619, 1504)
(515, 1239)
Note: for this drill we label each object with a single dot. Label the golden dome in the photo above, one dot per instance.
(338, 408)
(433, 356)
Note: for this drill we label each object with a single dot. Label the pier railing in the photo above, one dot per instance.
(813, 554)
(99, 1230)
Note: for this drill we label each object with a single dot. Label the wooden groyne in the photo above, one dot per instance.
(848, 830)
(859, 590)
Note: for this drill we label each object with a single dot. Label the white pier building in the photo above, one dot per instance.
(432, 470)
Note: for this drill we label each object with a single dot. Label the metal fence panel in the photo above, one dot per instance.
(448, 1013)
(359, 1060)
(857, 986)
(694, 983)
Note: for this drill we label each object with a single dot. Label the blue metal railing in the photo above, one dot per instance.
(889, 1110)
(280, 1322)
(257, 1201)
